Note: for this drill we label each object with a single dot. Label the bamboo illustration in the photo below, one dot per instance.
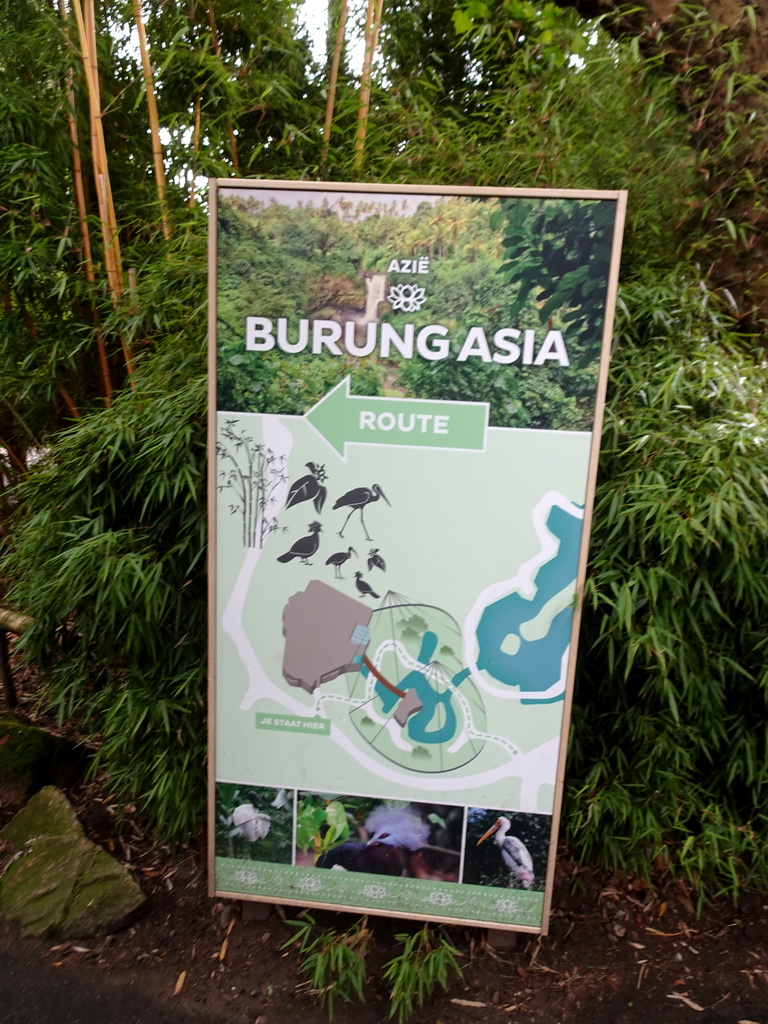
(154, 120)
(255, 473)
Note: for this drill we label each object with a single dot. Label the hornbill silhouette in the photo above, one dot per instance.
(357, 499)
(304, 547)
(309, 488)
(375, 560)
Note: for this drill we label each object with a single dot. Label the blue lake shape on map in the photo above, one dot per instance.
(419, 723)
(535, 667)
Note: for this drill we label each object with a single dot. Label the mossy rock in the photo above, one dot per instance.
(61, 885)
(48, 814)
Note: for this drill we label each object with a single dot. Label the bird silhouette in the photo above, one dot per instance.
(514, 853)
(375, 560)
(339, 559)
(309, 488)
(304, 547)
(356, 500)
(365, 588)
(248, 822)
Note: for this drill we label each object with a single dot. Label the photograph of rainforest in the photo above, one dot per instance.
(515, 265)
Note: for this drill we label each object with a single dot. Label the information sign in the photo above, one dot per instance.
(406, 399)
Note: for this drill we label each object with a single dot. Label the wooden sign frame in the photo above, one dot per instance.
(313, 754)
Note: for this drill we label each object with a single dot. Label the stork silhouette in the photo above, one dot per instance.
(357, 500)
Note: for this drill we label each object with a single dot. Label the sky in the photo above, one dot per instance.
(315, 15)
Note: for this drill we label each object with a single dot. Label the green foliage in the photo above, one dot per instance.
(320, 824)
(425, 963)
(335, 964)
(333, 961)
(670, 741)
(106, 550)
(108, 556)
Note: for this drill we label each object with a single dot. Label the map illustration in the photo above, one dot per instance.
(409, 686)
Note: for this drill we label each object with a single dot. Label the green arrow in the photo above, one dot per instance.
(341, 419)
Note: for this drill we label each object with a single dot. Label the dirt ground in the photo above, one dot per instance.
(618, 952)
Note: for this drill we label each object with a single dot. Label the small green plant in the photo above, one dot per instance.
(334, 961)
(424, 962)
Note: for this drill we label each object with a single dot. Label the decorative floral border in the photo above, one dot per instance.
(380, 893)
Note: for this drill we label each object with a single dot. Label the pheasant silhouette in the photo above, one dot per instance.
(304, 547)
(364, 587)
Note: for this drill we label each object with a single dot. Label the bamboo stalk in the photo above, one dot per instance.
(195, 146)
(373, 15)
(85, 233)
(230, 128)
(86, 25)
(6, 673)
(15, 460)
(333, 82)
(154, 120)
(233, 148)
(69, 402)
(14, 621)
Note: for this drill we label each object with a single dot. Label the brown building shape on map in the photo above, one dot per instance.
(318, 626)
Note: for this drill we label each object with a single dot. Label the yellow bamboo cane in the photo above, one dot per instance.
(154, 120)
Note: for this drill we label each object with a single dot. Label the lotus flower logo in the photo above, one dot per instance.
(406, 297)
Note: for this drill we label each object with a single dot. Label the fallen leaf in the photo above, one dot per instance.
(468, 1002)
(636, 945)
(662, 909)
(686, 1000)
(667, 935)
(179, 983)
(230, 926)
(223, 950)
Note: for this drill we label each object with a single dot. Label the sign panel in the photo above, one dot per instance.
(407, 389)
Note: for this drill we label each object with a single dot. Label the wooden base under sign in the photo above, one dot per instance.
(503, 941)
